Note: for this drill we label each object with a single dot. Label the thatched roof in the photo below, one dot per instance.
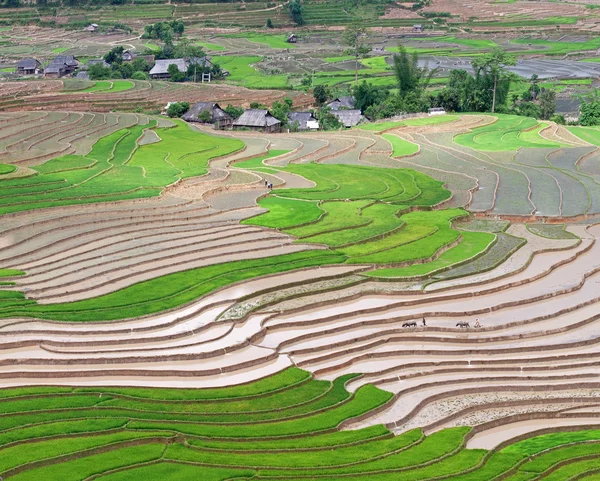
(217, 113)
(83, 75)
(302, 118)
(98, 61)
(349, 118)
(256, 118)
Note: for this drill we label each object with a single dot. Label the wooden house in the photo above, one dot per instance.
(29, 66)
(259, 120)
(218, 117)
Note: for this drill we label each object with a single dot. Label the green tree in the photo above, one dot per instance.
(321, 94)
(114, 56)
(296, 11)
(280, 110)
(590, 113)
(99, 72)
(270, 23)
(233, 111)
(535, 87)
(547, 100)
(327, 121)
(409, 76)
(494, 66)
(366, 95)
(177, 109)
(176, 75)
(355, 36)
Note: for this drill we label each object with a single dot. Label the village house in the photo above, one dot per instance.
(304, 120)
(349, 118)
(29, 66)
(61, 66)
(129, 56)
(92, 27)
(160, 71)
(418, 28)
(342, 103)
(214, 115)
(259, 120)
(292, 38)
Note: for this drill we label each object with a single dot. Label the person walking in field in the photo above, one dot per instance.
(477, 323)
(424, 323)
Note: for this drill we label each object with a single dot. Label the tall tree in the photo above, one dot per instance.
(355, 36)
(494, 65)
(409, 76)
(296, 11)
(547, 100)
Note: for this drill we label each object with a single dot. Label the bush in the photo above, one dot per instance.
(177, 109)
(139, 76)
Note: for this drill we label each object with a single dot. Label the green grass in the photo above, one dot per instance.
(60, 49)
(11, 273)
(191, 434)
(211, 46)
(169, 291)
(548, 47)
(471, 245)
(341, 58)
(7, 169)
(151, 46)
(104, 86)
(589, 134)
(400, 146)
(243, 73)
(509, 132)
(257, 162)
(117, 168)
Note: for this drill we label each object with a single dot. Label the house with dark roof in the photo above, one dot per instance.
(214, 115)
(82, 75)
(342, 103)
(304, 120)
(160, 71)
(128, 56)
(417, 28)
(350, 118)
(259, 120)
(161, 67)
(292, 38)
(61, 66)
(29, 66)
(98, 61)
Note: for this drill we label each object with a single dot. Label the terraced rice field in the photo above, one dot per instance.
(163, 315)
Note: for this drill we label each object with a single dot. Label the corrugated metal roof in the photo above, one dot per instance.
(256, 118)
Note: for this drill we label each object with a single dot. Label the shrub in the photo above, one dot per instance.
(177, 109)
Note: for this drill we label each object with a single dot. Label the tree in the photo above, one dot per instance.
(321, 94)
(176, 75)
(270, 23)
(280, 110)
(355, 37)
(114, 56)
(534, 88)
(296, 11)
(366, 94)
(327, 120)
(177, 109)
(590, 113)
(234, 112)
(410, 78)
(139, 75)
(205, 116)
(99, 72)
(493, 65)
(547, 100)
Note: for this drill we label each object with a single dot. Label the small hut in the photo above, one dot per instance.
(418, 28)
(215, 115)
(292, 38)
(29, 66)
(160, 71)
(259, 120)
(92, 27)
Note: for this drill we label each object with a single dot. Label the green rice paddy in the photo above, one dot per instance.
(285, 426)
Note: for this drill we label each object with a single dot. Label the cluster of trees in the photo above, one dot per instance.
(117, 69)
(177, 109)
(296, 11)
(164, 31)
(486, 90)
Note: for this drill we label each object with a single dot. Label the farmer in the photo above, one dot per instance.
(424, 323)
(477, 323)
